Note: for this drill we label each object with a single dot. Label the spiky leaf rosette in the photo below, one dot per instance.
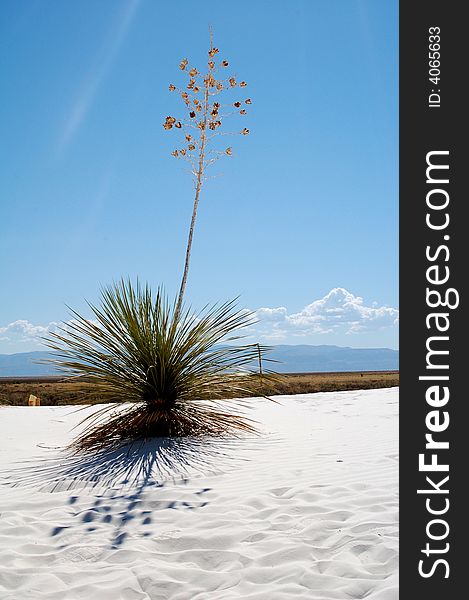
(170, 370)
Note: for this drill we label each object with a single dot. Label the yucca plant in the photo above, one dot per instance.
(170, 367)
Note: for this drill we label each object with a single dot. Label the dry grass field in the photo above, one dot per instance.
(53, 391)
(308, 383)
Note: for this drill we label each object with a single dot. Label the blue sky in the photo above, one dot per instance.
(301, 222)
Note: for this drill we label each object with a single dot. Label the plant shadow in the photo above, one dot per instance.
(141, 463)
(125, 481)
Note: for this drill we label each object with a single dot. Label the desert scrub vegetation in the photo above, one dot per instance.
(16, 391)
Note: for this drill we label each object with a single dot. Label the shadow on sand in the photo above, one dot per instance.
(138, 464)
(119, 478)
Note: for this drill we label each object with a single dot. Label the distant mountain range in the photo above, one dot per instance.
(25, 364)
(292, 359)
(310, 359)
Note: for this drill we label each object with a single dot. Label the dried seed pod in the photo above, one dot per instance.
(188, 137)
(211, 64)
(191, 147)
(245, 131)
(216, 105)
(219, 86)
(172, 87)
(168, 124)
(241, 112)
(193, 72)
(237, 104)
(183, 152)
(192, 114)
(212, 52)
(183, 64)
(198, 108)
(232, 81)
(248, 101)
(224, 63)
(178, 125)
(212, 126)
(243, 84)
(196, 89)
(229, 151)
(175, 153)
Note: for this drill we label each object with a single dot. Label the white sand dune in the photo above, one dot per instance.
(308, 509)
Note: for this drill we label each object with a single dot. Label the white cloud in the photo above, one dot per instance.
(23, 336)
(271, 314)
(25, 333)
(338, 312)
(337, 315)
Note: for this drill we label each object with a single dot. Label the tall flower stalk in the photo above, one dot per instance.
(203, 124)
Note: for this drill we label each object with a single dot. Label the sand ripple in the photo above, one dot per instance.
(309, 509)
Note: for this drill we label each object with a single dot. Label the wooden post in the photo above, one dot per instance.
(260, 359)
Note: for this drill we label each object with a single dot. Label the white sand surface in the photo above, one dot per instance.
(308, 509)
